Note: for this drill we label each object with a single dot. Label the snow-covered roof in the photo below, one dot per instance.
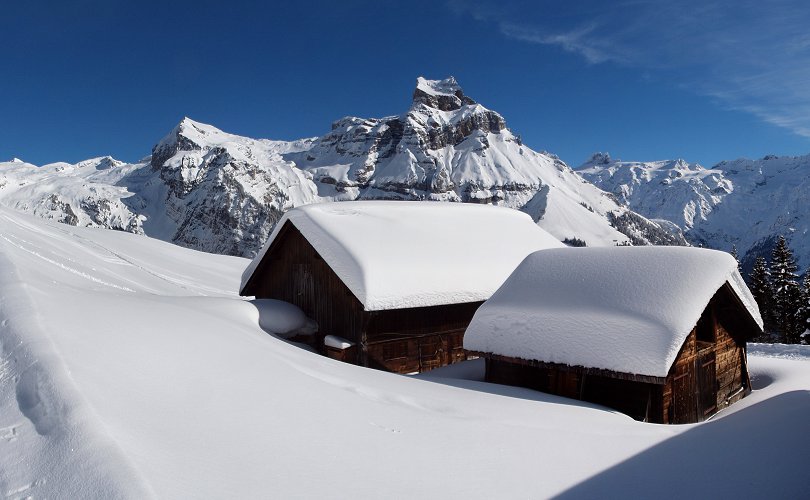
(624, 309)
(400, 254)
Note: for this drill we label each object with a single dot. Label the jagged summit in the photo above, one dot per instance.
(444, 95)
(448, 86)
(599, 158)
(190, 129)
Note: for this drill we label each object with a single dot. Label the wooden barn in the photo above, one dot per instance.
(392, 284)
(658, 333)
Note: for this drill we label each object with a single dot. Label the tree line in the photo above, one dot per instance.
(783, 298)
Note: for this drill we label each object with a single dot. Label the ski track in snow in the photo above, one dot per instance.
(112, 257)
(65, 267)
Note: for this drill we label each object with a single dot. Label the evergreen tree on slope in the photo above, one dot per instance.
(804, 310)
(760, 280)
(736, 257)
(786, 292)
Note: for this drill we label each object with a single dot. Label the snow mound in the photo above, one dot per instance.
(398, 254)
(283, 319)
(337, 342)
(626, 309)
(786, 351)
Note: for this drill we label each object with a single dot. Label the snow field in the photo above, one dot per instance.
(171, 389)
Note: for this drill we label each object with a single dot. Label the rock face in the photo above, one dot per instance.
(742, 203)
(224, 193)
(218, 192)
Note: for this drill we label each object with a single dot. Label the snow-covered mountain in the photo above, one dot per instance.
(743, 203)
(209, 190)
(85, 194)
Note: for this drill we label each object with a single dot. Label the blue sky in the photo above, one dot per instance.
(644, 80)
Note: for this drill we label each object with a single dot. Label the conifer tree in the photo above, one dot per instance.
(736, 257)
(804, 310)
(786, 292)
(760, 280)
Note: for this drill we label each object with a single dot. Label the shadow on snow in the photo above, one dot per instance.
(762, 451)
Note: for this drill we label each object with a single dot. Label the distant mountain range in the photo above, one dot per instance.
(742, 203)
(209, 190)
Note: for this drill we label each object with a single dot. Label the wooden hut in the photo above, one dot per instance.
(658, 333)
(392, 285)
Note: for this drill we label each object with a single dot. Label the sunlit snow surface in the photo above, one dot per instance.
(129, 368)
(398, 254)
(626, 309)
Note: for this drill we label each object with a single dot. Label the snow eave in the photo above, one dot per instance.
(588, 370)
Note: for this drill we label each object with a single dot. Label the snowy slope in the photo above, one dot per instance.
(218, 192)
(742, 203)
(130, 370)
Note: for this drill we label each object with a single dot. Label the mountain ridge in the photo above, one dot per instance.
(210, 190)
(739, 203)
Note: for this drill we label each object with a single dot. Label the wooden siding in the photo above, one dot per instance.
(399, 340)
(708, 376)
(640, 400)
(293, 271)
(416, 353)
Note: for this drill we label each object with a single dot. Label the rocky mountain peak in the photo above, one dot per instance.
(599, 159)
(444, 95)
(188, 135)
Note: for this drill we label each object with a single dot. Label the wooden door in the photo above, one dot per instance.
(706, 383)
(432, 350)
(684, 407)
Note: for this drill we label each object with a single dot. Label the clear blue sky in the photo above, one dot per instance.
(701, 80)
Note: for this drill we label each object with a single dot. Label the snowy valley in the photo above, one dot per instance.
(130, 369)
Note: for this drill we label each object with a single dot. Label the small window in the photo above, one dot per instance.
(705, 327)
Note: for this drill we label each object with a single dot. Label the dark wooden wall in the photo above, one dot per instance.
(709, 373)
(399, 340)
(418, 339)
(293, 271)
(637, 399)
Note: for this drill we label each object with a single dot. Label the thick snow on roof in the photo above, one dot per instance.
(399, 254)
(625, 309)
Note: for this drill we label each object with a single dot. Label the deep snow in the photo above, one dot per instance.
(626, 309)
(398, 254)
(129, 368)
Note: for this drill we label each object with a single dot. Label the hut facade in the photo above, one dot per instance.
(658, 333)
(392, 284)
